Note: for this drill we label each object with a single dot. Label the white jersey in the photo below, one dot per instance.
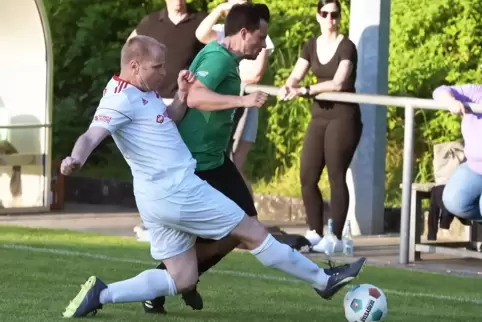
(147, 138)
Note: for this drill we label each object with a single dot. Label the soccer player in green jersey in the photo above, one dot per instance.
(208, 125)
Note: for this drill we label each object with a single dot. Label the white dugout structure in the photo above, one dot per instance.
(25, 107)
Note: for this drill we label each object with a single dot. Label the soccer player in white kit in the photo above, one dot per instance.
(173, 202)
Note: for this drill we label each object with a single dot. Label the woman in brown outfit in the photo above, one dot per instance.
(335, 128)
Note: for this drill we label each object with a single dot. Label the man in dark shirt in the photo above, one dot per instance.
(175, 27)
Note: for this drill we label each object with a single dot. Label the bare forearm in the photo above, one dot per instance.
(83, 148)
(293, 82)
(205, 32)
(324, 87)
(207, 100)
(177, 109)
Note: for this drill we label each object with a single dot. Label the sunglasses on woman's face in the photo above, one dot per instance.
(332, 14)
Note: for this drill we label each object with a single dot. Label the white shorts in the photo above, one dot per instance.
(176, 221)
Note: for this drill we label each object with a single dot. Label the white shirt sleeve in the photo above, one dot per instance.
(113, 112)
(219, 29)
(269, 45)
(245, 65)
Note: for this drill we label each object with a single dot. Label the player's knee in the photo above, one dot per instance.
(250, 232)
(185, 280)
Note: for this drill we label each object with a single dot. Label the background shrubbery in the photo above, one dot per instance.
(431, 42)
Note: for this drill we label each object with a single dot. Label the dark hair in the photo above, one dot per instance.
(322, 3)
(246, 15)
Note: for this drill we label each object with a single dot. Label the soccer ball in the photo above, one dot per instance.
(365, 303)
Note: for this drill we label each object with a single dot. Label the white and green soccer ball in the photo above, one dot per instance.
(365, 303)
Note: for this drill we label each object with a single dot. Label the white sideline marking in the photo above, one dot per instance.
(224, 272)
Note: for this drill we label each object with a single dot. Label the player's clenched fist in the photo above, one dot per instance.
(185, 79)
(255, 99)
(69, 165)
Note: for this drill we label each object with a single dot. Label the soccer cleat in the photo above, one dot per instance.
(87, 300)
(191, 298)
(334, 269)
(155, 306)
(339, 276)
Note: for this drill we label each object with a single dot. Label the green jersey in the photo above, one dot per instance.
(207, 134)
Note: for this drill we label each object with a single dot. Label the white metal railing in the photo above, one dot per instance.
(25, 126)
(409, 103)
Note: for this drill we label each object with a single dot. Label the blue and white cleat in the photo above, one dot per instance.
(87, 300)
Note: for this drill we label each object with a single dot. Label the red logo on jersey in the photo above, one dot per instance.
(162, 117)
(144, 101)
(102, 118)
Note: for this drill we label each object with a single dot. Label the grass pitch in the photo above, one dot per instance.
(42, 270)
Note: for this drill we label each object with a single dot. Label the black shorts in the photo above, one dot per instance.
(227, 180)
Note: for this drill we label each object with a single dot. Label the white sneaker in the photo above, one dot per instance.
(142, 234)
(322, 246)
(313, 237)
(339, 246)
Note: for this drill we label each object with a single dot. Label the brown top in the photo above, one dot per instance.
(180, 41)
(346, 50)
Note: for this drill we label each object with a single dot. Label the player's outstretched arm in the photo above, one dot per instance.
(84, 146)
(113, 112)
(204, 99)
(87, 142)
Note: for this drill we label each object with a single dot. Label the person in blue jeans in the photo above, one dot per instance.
(462, 195)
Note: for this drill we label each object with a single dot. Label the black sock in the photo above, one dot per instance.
(205, 265)
(161, 266)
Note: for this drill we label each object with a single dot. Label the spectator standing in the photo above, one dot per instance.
(335, 128)
(250, 72)
(174, 27)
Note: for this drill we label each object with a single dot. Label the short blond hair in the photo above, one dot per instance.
(139, 48)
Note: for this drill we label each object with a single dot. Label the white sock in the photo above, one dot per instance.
(145, 286)
(284, 258)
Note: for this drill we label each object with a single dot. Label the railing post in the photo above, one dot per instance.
(408, 150)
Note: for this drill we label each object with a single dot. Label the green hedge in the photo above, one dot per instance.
(431, 42)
